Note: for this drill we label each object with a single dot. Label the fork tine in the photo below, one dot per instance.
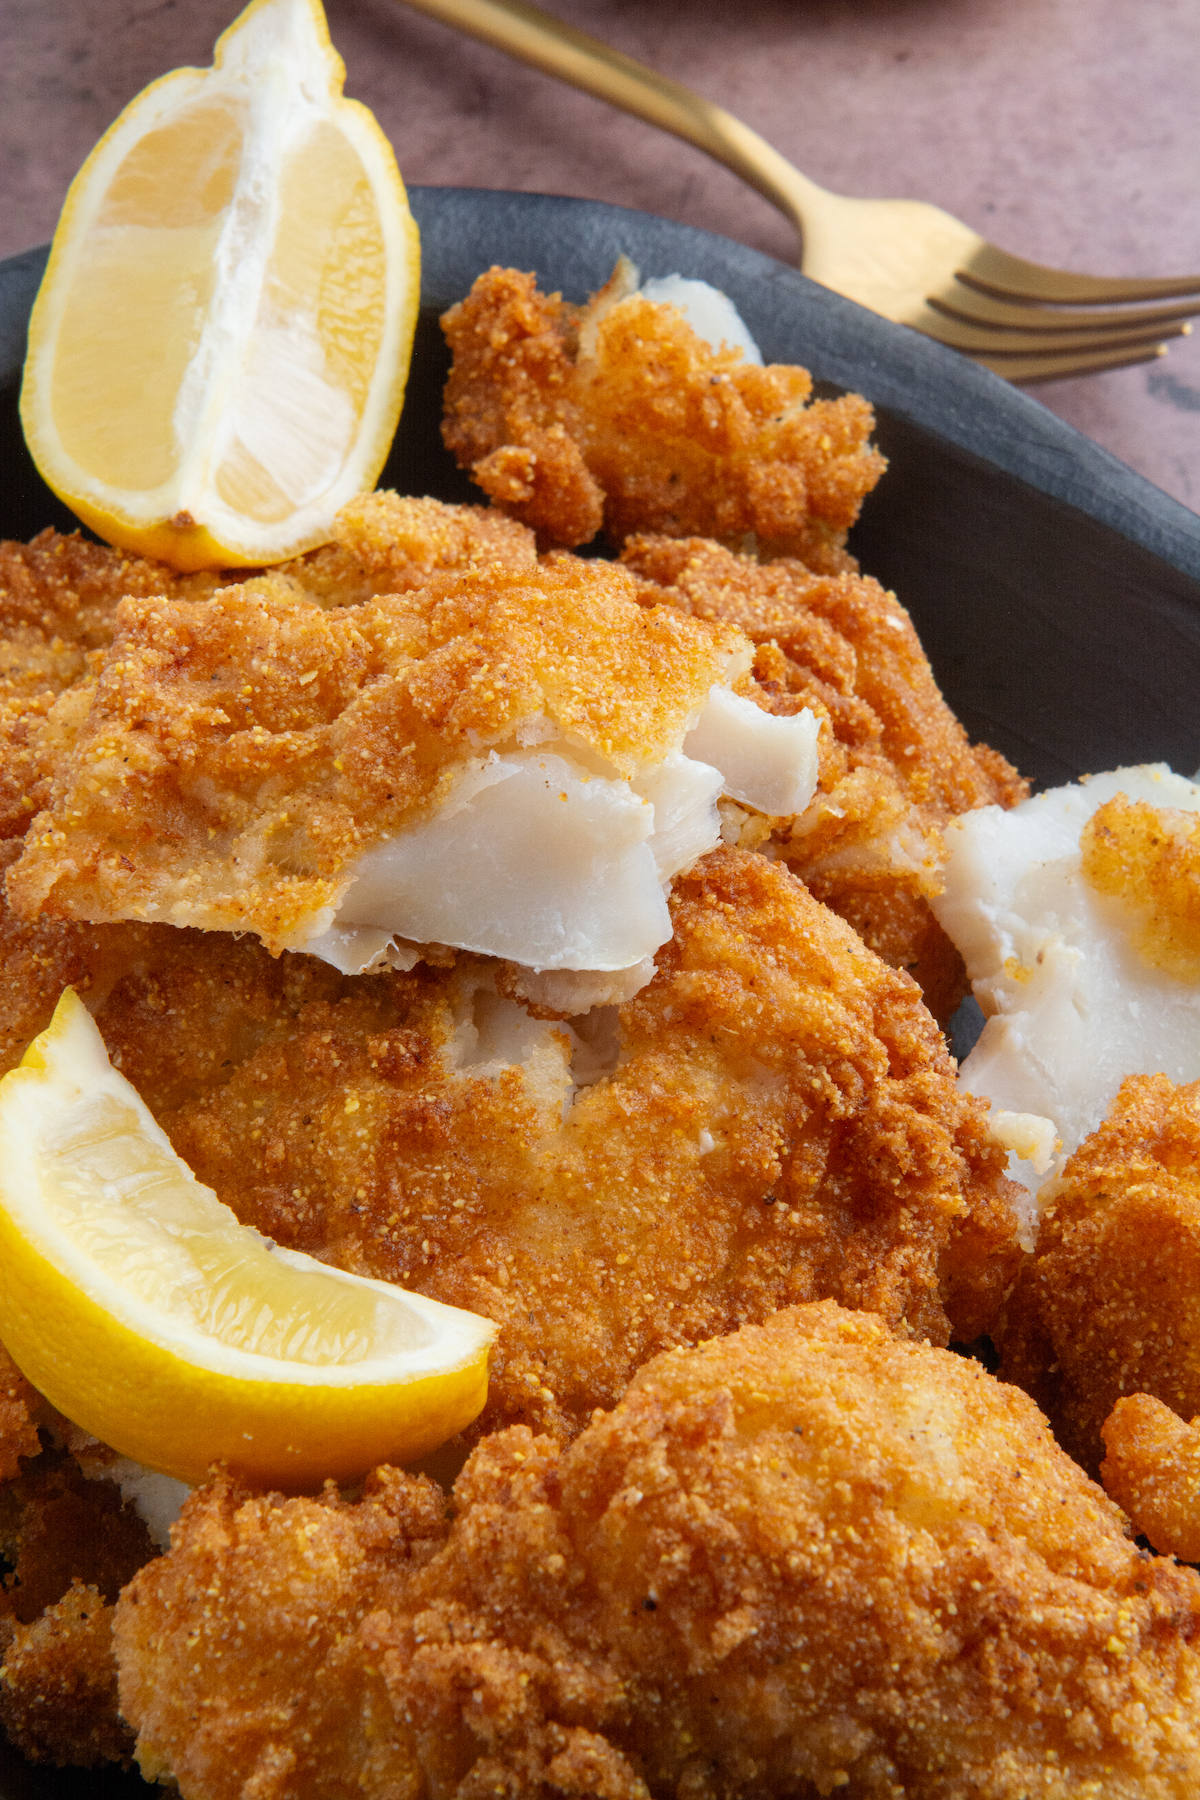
(1007, 277)
(976, 308)
(885, 254)
(986, 343)
(1023, 371)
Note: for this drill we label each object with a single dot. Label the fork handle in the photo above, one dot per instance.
(546, 43)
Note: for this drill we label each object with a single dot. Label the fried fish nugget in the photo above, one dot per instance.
(567, 416)
(803, 1559)
(1152, 1468)
(1110, 1303)
(297, 1574)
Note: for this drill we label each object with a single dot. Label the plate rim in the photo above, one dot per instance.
(931, 387)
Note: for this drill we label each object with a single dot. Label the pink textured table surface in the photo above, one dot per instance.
(1066, 130)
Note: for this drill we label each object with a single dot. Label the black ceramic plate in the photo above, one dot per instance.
(1057, 593)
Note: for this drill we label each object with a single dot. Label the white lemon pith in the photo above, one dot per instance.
(136, 1302)
(218, 353)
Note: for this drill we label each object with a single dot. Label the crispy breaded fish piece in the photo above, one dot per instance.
(242, 755)
(802, 1559)
(773, 1119)
(618, 413)
(1110, 1303)
(896, 764)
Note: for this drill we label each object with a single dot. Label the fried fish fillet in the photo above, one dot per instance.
(239, 755)
(896, 765)
(618, 413)
(772, 1119)
(1110, 1303)
(803, 1559)
(212, 776)
(1152, 1469)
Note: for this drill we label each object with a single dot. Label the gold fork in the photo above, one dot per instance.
(906, 259)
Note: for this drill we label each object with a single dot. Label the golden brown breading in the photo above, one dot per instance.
(239, 753)
(566, 416)
(781, 1124)
(510, 411)
(308, 1574)
(22, 1412)
(1148, 857)
(896, 764)
(58, 1684)
(804, 1559)
(1110, 1303)
(389, 543)
(853, 647)
(39, 958)
(65, 590)
(58, 1526)
(59, 597)
(1152, 1469)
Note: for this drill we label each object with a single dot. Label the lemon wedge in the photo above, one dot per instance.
(218, 352)
(136, 1302)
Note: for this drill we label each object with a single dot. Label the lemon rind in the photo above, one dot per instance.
(223, 538)
(70, 1328)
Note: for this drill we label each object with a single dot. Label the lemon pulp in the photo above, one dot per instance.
(219, 349)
